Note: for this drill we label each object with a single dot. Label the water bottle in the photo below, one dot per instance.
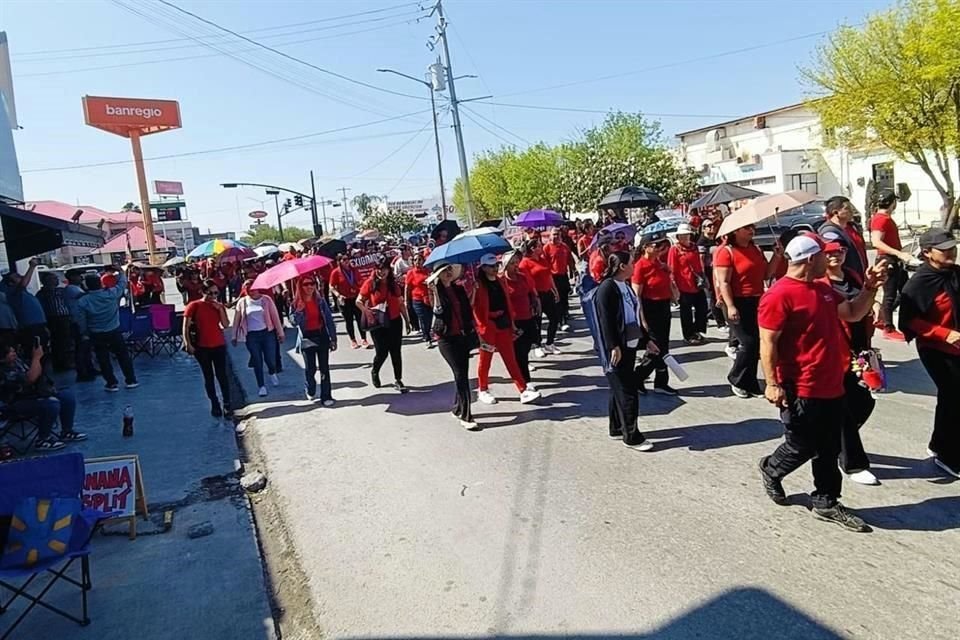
(127, 421)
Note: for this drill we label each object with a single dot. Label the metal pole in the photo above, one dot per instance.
(436, 141)
(313, 205)
(276, 200)
(144, 197)
(457, 129)
(323, 206)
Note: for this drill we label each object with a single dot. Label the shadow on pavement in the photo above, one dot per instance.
(716, 436)
(909, 377)
(699, 355)
(933, 514)
(897, 468)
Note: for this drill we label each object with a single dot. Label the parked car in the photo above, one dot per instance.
(808, 217)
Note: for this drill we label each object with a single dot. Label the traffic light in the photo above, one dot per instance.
(298, 200)
(287, 203)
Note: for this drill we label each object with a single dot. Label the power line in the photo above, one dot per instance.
(416, 158)
(395, 151)
(612, 110)
(175, 40)
(507, 131)
(230, 148)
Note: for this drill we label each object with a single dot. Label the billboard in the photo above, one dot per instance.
(122, 115)
(167, 188)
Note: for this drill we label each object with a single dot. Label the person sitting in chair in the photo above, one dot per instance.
(29, 394)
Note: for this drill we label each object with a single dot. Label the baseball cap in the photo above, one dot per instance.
(830, 247)
(937, 238)
(488, 260)
(108, 280)
(654, 237)
(886, 198)
(684, 229)
(804, 247)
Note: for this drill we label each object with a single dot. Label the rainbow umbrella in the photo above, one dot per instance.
(222, 248)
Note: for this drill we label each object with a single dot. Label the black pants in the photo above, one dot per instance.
(743, 373)
(456, 351)
(896, 278)
(944, 370)
(812, 432)
(387, 341)
(658, 316)
(317, 359)
(523, 344)
(551, 314)
(859, 408)
(111, 342)
(562, 282)
(693, 314)
(83, 356)
(61, 343)
(213, 361)
(624, 396)
(350, 315)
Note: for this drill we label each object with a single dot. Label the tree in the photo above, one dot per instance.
(390, 223)
(131, 207)
(365, 203)
(895, 82)
(268, 233)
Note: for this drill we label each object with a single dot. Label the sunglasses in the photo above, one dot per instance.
(308, 284)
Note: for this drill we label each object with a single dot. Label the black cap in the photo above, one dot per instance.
(654, 237)
(936, 238)
(886, 198)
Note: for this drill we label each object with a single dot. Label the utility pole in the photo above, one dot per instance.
(346, 213)
(436, 142)
(454, 106)
(313, 205)
(276, 201)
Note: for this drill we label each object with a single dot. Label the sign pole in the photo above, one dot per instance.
(152, 258)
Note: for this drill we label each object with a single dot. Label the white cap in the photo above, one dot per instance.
(488, 260)
(684, 229)
(802, 248)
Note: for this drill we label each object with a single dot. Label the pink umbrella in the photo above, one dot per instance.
(288, 271)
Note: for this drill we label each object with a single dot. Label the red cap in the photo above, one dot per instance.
(830, 247)
(108, 280)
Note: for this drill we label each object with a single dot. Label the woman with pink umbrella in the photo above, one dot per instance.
(316, 337)
(256, 322)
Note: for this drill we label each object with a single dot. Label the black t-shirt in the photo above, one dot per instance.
(858, 332)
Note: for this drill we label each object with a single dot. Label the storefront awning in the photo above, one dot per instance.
(27, 234)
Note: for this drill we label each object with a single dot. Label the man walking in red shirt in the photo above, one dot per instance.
(885, 237)
(562, 264)
(686, 268)
(805, 356)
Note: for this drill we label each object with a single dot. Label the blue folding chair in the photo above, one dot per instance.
(140, 338)
(126, 321)
(45, 479)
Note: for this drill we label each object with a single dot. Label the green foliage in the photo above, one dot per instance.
(131, 207)
(365, 203)
(268, 233)
(391, 223)
(895, 82)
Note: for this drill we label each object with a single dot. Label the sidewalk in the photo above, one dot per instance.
(166, 585)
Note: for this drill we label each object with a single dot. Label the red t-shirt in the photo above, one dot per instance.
(206, 316)
(519, 290)
(416, 281)
(346, 284)
(686, 265)
(380, 295)
(583, 244)
(655, 278)
(812, 349)
(558, 257)
(194, 290)
(883, 223)
(542, 278)
(935, 325)
(313, 319)
(749, 268)
(597, 265)
(856, 238)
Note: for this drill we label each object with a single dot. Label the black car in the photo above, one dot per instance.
(808, 217)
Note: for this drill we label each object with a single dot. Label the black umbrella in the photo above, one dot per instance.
(632, 197)
(722, 194)
(451, 227)
(330, 248)
(496, 223)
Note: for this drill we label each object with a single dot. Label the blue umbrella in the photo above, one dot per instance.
(467, 249)
(661, 226)
(539, 218)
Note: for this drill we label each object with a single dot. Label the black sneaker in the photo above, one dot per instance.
(400, 386)
(773, 488)
(216, 411)
(50, 443)
(112, 387)
(375, 379)
(839, 514)
(951, 469)
(73, 436)
(665, 389)
(642, 388)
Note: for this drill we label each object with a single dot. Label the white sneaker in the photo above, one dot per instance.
(740, 393)
(469, 426)
(328, 403)
(864, 477)
(274, 380)
(731, 352)
(540, 352)
(646, 445)
(531, 387)
(943, 465)
(262, 392)
(564, 327)
(486, 397)
(310, 397)
(551, 349)
(931, 453)
(529, 396)
(724, 331)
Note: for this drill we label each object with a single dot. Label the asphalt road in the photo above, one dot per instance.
(407, 525)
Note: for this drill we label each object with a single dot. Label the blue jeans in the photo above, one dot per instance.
(262, 346)
(47, 410)
(317, 359)
(425, 314)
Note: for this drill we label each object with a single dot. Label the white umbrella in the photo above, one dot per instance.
(264, 250)
(759, 209)
(482, 231)
(174, 261)
(290, 246)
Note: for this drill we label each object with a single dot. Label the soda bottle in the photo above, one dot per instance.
(127, 421)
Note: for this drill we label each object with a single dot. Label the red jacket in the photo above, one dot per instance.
(342, 286)
(933, 328)
(686, 265)
(481, 313)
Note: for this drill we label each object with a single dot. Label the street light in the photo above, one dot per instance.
(436, 134)
(271, 188)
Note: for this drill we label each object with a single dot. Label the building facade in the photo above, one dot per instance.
(783, 149)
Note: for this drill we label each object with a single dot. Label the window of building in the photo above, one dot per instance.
(802, 182)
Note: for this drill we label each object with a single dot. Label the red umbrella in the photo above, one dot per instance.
(289, 270)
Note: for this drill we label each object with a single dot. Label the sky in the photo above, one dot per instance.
(686, 63)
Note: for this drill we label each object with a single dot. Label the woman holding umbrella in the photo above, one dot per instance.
(256, 322)
(534, 266)
(316, 337)
(381, 302)
(454, 329)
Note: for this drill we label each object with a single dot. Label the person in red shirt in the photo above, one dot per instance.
(381, 298)
(534, 265)
(316, 338)
(205, 320)
(493, 316)
(192, 287)
(686, 266)
(842, 228)
(653, 286)
(526, 307)
(805, 358)
(597, 259)
(930, 314)
(885, 238)
(562, 265)
(345, 284)
(586, 239)
(740, 269)
(417, 296)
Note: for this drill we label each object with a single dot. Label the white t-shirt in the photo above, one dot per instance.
(256, 319)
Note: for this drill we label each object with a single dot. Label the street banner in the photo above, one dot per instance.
(167, 188)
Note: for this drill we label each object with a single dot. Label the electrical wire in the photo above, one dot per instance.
(416, 158)
(612, 110)
(395, 151)
(470, 111)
